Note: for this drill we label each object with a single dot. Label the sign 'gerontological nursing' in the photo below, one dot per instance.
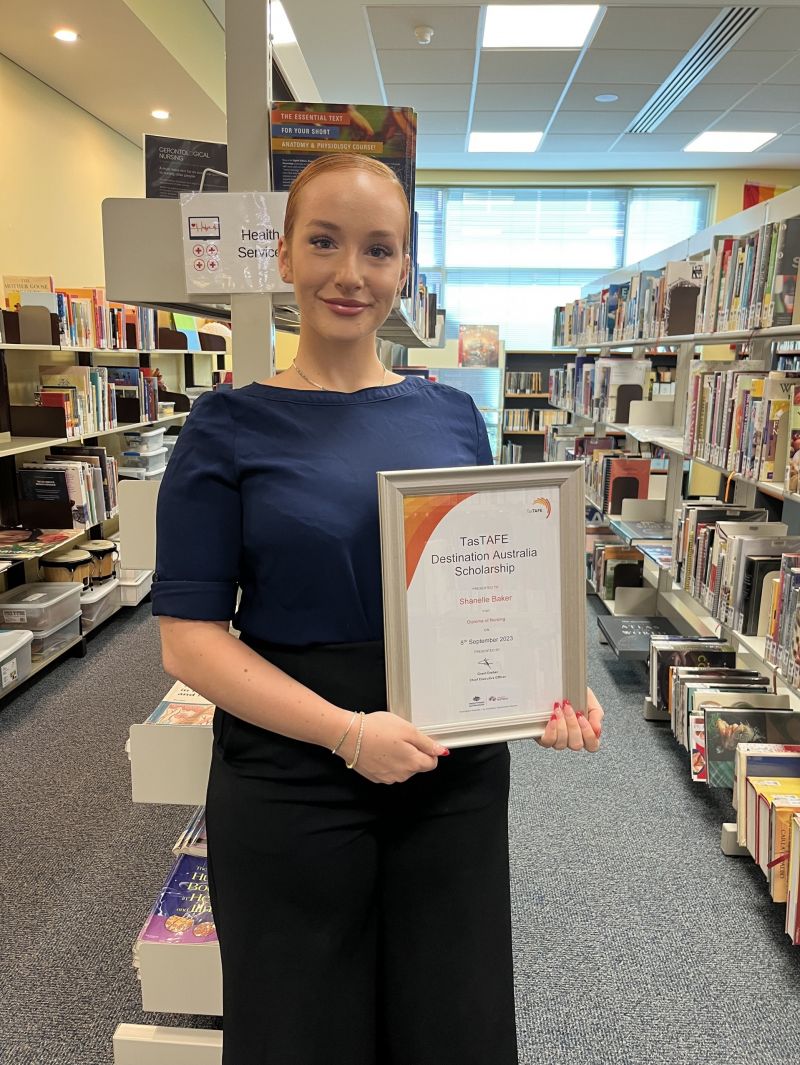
(230, 241)
(173, 166)
(484, 604)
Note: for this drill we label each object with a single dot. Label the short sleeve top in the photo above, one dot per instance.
(274, 491)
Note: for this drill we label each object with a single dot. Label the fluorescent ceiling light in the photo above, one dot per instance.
(720, 141)
(280, 26)
(160, 114)
(607, 98)
(545, 26)
(70, 36)
(504, 142)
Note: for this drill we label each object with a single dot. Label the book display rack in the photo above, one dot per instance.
(730, 494)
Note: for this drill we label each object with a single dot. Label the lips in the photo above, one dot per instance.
(346, 308)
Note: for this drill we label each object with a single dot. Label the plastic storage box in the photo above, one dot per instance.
(99, 604)
(133, 591)
(141, 475)
(144, 460)
(40, 606)
(169, 444)
(15, 656)
(50, 642)
(144, 440)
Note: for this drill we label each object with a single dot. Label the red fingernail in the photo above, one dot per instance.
(554, 716)
(444, 753)
(556, 706)
(579, 713)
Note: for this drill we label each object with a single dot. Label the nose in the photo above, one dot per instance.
(348, 271)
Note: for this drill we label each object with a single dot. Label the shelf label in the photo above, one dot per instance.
(230, 241)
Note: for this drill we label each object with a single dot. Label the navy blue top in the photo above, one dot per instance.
(275, 490)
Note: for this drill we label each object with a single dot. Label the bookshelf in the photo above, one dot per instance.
(698, 442)
(525, 404)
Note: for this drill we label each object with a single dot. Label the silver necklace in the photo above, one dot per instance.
(322, 388)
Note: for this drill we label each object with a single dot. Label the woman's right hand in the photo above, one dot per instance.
(392, 749)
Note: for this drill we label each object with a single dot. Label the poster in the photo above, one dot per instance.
(173, 166)
(479, 345)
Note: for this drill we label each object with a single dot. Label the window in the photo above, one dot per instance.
(509, 255)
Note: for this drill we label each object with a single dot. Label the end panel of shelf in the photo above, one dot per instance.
(170, 763)
(180, 978)
(148, 1044)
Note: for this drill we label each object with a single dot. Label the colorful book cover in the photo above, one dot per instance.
(182, 913)
(725, 729)
(479, 345)
(301, 132)
(675, 654)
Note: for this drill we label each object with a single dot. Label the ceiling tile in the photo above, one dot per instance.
(774, 31)
(746, 68)
(454, 27)
(779, 121)
(607, 66)
(631, 97)
(708, 97)
(510, 121)
(508, 68)
(771, 98)
(790, 75)
(517, 97)
(641, 27)
(559, 142)
(429, 97)
(441, 144)
(596, 121)
(433, 68)
(442, 122)
(787, 145)
(653, 142)
(681, 121)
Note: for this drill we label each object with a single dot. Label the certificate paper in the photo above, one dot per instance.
(483, 572)
(483, 598)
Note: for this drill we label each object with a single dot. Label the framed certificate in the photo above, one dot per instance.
(483, 597)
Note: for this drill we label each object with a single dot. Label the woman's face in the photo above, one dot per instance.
(345, 258)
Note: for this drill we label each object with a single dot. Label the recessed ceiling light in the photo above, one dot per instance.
(720, 141)
(160, 114)
(70, 36)
(546, 26)
(607, 98)
(280, 27)
(504, 142)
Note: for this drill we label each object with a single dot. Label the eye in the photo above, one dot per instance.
(322, 242)
(380, 251)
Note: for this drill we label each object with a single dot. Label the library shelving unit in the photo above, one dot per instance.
(27, 432)
(661, 424)
(541, 362)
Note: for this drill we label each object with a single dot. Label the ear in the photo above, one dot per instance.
(284, 261)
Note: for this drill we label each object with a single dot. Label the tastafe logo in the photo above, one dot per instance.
(541, 507)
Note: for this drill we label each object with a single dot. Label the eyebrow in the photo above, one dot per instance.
(319, 223)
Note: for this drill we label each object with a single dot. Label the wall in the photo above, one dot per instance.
(59, 163)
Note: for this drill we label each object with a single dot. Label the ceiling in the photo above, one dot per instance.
(137, 55)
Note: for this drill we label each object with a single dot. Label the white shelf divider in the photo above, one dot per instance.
(170, 763)
(180, 978)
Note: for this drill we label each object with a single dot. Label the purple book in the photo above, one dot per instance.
(183, 911)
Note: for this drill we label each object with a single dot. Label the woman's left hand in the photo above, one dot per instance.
(578, 731)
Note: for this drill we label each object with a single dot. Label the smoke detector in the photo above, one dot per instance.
(424, 34)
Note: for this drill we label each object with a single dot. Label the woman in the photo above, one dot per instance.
(359, 924)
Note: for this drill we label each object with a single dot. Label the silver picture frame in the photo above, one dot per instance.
(563, 481)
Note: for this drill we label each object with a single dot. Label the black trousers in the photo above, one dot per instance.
(359, 923)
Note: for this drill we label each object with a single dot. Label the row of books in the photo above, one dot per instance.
(746, 421)
(724, 556)
(744, 282)
(511, 454)
(84, 478)
(613, 476)
(751, 280)
(89, 395)
(522, 419)
(741, 736)
(653, 303)
(522, 382)
(601, 388)
(613, 565)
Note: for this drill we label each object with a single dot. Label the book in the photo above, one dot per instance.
(182, 706)
(725, 729)
(182, 913)
(792, 925)
(19, 542)
(667, 654)
(774, 858)
(732, 699)
(760, 760)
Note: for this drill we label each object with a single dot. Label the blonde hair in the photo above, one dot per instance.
(328, 164)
